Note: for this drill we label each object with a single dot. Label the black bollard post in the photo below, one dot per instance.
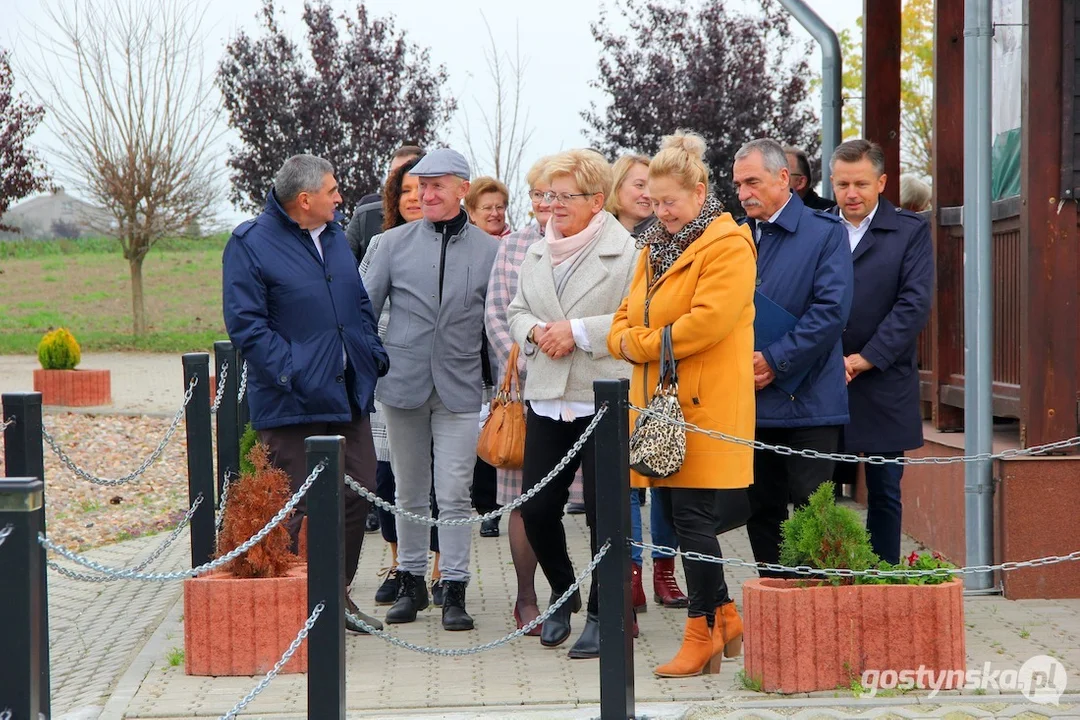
(25, 632)
(242, 412)
(24, 456)
(613, 523)
(200, 457)
(326, 578)
(228, 440)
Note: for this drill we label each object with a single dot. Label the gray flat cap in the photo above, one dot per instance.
(443, 161)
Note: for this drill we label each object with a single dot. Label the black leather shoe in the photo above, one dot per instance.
(574, 601)
(412, 598)
(388, 591)
(490, 528)
(438, 593)
(575, 508)
(372, 523)
(355, 627)
(454, 616)
(588, 645)
(556, 629)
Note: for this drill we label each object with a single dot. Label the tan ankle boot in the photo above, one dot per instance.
(696, 656)
(727, 631)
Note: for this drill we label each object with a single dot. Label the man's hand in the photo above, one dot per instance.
(557, 340)
(763, 374)
(855, 365)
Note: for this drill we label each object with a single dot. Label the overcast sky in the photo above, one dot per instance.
(554, 38)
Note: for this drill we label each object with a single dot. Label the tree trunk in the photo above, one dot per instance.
(138, 306)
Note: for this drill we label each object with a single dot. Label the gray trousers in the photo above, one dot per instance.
(412, 435)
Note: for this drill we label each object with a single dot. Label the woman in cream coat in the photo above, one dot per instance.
(570, 286)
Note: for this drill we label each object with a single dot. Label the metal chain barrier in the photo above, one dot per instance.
(289, 652)
(222, 375)
(457, 652)
(6, 715)
(83, 577)
(79, 472)
(8, 529)
(225, 483)
(7, 423)
(844, 572)
(131, 574)
(870, 460)
(509, 507)
(243, 383)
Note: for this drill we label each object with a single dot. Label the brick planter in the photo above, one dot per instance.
(802, 638)
(74, 388)
(243, 627)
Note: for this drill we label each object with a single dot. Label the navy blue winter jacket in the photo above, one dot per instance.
(804, 265)
(291, 313)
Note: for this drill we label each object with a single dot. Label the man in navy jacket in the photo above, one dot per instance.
(804, 281)
(295, 307)
(894, 277)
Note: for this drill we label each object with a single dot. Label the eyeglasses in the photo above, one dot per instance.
(536, 195)
(489, 208)
(564, 198)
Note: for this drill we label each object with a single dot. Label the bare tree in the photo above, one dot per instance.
(506, 129)
(137, 118)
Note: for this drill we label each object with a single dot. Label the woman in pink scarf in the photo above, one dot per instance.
(570, 285)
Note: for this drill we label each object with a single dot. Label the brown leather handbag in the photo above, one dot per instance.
(502, 439)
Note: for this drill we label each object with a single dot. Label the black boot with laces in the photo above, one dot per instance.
(412, 598)
(454, 616)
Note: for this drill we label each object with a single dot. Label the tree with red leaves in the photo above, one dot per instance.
(364, 92)
(22, 171)
(731, 76)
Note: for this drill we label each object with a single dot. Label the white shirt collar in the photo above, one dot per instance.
(856, 232)
(776, 215)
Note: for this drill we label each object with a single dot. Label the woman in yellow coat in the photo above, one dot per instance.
(698, 276)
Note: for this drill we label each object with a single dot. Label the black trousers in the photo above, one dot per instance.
(695, 514)
(287, 452)
(483, 488)
(546, 441)
(780, 479)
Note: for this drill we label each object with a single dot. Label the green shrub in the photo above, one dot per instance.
(58, 350)
(824, 535)
(247, 441)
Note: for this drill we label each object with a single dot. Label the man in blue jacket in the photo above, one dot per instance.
(295, 307)
(894, 277)
(803, 301)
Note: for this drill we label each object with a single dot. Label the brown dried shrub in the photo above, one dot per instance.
(253, 500)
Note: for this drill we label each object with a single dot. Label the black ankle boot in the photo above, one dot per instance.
(412, 598)
(454, 616)
(588, 645)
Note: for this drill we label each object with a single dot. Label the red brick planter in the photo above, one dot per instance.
(243, 627)
(73, 388)
(805, 638)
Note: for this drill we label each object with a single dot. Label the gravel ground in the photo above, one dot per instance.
(82, 515)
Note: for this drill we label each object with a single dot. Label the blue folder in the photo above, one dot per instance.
(772, 322)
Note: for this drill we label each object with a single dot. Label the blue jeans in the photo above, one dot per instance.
(884, 509)
(662, 531)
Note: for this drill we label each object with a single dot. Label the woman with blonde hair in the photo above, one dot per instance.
(697, 277)
(631, 204)
(570, 285)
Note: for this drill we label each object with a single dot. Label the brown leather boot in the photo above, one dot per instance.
(665, 588)
(728, 630)
(637, 592)
(696, 656)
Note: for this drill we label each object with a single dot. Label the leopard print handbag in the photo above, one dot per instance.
(658, 442)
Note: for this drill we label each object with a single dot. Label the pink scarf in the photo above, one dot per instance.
(564, 248)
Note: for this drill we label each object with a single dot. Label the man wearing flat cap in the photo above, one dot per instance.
(434, 272)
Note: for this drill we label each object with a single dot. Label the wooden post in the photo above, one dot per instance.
(948, 149)
(881, 85)
(1048, 238)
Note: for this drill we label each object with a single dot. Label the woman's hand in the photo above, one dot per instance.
(557, 340)
(624, 350)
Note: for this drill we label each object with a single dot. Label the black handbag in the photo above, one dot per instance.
(658, 442)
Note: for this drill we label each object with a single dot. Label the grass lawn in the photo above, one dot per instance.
(85, 286)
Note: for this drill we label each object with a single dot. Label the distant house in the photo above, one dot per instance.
(56, 215)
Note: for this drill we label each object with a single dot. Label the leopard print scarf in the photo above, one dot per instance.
(665, 249)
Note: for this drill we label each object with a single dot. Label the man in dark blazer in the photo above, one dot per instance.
(894, 275)
(801, 180)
